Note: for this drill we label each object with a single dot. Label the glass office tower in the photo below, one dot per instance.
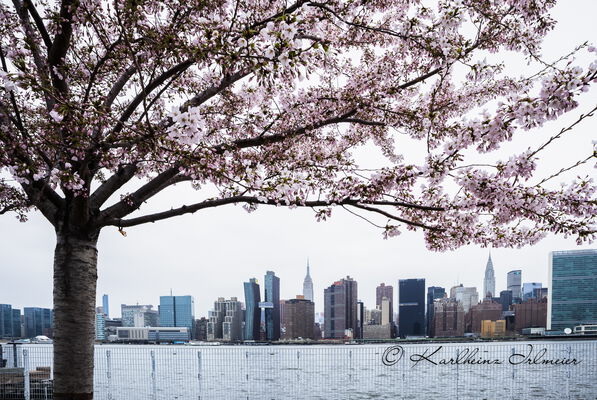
(272, 315)
(572, 297)
(411, 307)
(252, 313)
(177, 311)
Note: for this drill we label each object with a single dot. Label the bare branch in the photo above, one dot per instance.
(254, 200)
(119, 85)
(61, 44)
(33, 42)
(394, 217)
(39, 23)
(110, 186)
(151, 86)
(134, 201)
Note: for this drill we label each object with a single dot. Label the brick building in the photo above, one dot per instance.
(486, 310)
(448, 318)
(530, 314)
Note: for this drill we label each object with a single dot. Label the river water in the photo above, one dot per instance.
(473, 370)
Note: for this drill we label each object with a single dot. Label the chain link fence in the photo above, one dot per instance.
(473, 370)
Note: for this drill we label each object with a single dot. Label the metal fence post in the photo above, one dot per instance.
(26, 372)
(298, 365)
(247, 374)
(350, 365)
(109, 373)
(513, 377)
(568, 372)
(153, 381)
(199, 371)
(457, 373)
(14, 356)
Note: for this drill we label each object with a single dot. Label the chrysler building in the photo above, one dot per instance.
(489, 281)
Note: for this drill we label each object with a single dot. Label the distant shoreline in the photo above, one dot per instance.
(355, 342)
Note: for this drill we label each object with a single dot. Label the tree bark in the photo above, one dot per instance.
(75, 277)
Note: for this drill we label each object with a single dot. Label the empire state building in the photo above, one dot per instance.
(308, 285)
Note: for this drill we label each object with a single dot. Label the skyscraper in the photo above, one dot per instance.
(340, 309)
(232, 325)
(489, 281)
(433, 293)
(572, 297)
(411, 307)
(299, 315)
(6, 321)
(528, 289)
(137, 315)
(38, 321)
(388, 292)
(506, 299)
(100, 326)
(468, 296)
(252, 313)
(16, 323)
(106, 306)
(272, 314)
(308, 285)
(177, 311)
(514, 283)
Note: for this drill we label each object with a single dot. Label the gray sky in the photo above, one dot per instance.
(210, 254)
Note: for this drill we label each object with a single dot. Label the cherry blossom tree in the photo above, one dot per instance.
(105, 104)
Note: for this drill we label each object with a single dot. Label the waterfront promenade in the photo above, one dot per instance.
(469, 370)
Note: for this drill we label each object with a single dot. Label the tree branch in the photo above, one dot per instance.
(119, 85)
(61, 43)
(147, 90)
(32, 41)
(254, 200)
(39, 23)
(110, 186)
(134, 200)
(396, 218)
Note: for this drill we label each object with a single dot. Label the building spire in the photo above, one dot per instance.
(489, 281)
(308, 284)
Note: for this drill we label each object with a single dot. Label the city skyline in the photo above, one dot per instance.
(369, 299)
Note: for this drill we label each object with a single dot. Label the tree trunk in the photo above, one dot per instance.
(75, 276)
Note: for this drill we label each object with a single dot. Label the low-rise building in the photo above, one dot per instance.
(377, 331)
(151, 334)
(491, 329)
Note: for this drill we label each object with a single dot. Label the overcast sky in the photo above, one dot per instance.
(210, 254)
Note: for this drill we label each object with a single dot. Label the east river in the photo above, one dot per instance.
(470, 370)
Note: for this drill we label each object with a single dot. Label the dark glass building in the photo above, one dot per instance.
(411, 307)
(38, 321)
(514, 284)
(252, 313)
(201, 329)
(177, 311)
(6, 321)
(572, 297)
(272, 315)
(433, 293)
(506, 299)
(16, 323)
(340, 309)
